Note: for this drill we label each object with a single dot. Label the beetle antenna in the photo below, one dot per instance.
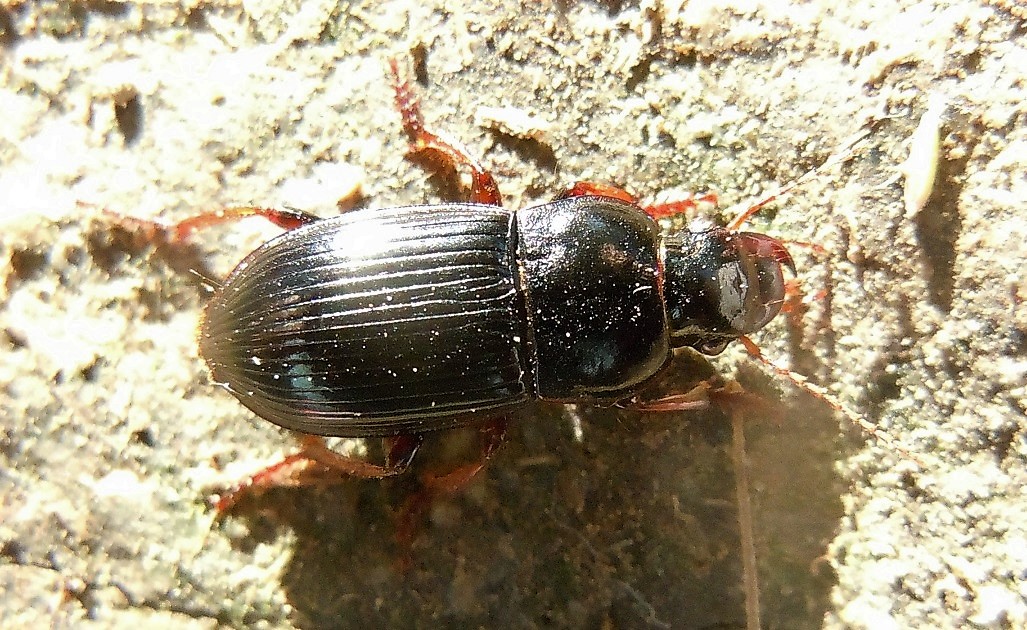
(848, 147)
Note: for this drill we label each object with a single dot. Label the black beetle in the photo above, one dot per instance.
(401, 321)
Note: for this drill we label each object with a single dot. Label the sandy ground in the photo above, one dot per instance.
(113, 434)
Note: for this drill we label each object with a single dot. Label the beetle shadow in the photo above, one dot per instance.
(635, 525)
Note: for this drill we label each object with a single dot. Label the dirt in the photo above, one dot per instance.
(114, 436)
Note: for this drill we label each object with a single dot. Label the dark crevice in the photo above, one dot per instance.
(196, 19)
(28, 264)
(9, 35)
(1017, 343)
(91, 372)
(885, 378)
(129, 116)
(938, 226)
(528, 149)
(419, 61)
(884, 383)
(15, 339)
(108, 8)
(639, 73)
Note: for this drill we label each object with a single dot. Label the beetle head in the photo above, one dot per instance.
(720, 284)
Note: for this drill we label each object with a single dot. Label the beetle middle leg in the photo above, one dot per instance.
(434, 484)
(316, 464)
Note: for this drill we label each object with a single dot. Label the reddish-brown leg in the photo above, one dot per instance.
(657, 211)
(177, 232)
(492, 433)
(446, 152)
(687, 205)
(696, 398)
(317, 465)
(434, 484)
(582, 189)
(728, 396)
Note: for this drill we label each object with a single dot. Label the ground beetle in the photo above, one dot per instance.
(396, 322)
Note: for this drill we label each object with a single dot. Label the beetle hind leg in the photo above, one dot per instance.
(318, 465)
(174, 233)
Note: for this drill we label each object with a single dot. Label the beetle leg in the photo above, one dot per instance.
(448, 152)
(686, 205)
(725, 395)
(492, 434)
(161, 231)
(410, 514)
(696, 398)
(582, 189)
(401, 450)
(317, 465)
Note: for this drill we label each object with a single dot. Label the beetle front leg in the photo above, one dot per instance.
(450, 153)
(686, 205)
(726, 395)
(696, 398)
(317, 465)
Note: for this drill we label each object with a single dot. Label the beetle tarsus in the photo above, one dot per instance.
(285, 219)
(157, 230)
(282, 473)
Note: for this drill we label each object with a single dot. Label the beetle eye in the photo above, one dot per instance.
(713, 348)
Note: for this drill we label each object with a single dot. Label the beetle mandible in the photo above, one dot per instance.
(402, 321)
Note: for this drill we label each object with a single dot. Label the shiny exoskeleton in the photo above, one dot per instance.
(410, 319)
(401, 321)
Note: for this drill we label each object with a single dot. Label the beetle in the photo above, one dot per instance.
(398, 322)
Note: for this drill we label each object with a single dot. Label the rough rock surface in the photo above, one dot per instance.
(113, 434)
